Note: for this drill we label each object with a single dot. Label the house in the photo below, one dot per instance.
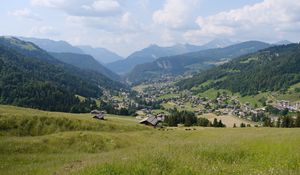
(95, 112)
(152, 120)
(161, 117)
(99, 116)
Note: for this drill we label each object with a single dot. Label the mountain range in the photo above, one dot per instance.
(102, 55)
(53, 46)
(191, 62)
(153, 52)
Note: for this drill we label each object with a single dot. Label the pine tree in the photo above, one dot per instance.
(297, 121)
(220, 124)
(278, 123)
(243, 125)
(215, 123)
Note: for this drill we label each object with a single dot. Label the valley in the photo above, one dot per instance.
(216, 111)
(165, 87)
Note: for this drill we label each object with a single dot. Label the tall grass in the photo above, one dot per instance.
(211, 151)
(23, 122)
(37, 142)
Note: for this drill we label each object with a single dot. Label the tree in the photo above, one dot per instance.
(234, 125)
(220, 124)
(287, 122)
(297, 122)
(218, 94)
(242, 125)
(278, 123)
(202, 122)
(267, 122)
(284, 112)
(215, 123)
(181, 117)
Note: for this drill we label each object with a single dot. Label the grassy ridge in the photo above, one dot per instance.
(28, 122)
(120, 146)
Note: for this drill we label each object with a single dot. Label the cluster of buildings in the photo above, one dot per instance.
(284, 104)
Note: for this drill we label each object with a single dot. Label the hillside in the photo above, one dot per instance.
(30, 77)
(53, 46)
(191, 62)
(272, 69)
(86, 62)
(102, 55)
(38, 142)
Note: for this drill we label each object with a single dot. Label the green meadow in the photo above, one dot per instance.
(52, 143)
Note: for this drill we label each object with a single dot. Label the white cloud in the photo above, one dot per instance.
(176, 14)
(48, 3)
(103, 5)
(266, 20)
(25, 13)
(83, 8)
(105, 15)
(125, 23)
(43, 31)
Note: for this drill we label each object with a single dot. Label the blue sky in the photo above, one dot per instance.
(124, 26)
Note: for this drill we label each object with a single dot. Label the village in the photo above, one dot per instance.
(152, 102)
(170, 97)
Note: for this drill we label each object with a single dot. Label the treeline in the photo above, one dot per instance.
(272, 69)
(110, 108)
(283, 122)
(188, 118)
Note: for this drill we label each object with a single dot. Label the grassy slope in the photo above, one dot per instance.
(290, 95)
(120, 146)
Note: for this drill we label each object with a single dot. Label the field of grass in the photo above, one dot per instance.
(186, 106)
(81, 98)
(212, 93)
(254, 100)
(229, 120)
(79, 145)
(168, 96)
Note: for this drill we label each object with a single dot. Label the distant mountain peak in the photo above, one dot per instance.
(52, 45)
(283, 42)
(153, 46)
(219, 43)
(102, 55)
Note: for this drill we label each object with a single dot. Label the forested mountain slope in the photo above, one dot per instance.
(30, 77)
(86, 62)
(272, 69)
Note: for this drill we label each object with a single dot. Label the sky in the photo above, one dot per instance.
(125, 26)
